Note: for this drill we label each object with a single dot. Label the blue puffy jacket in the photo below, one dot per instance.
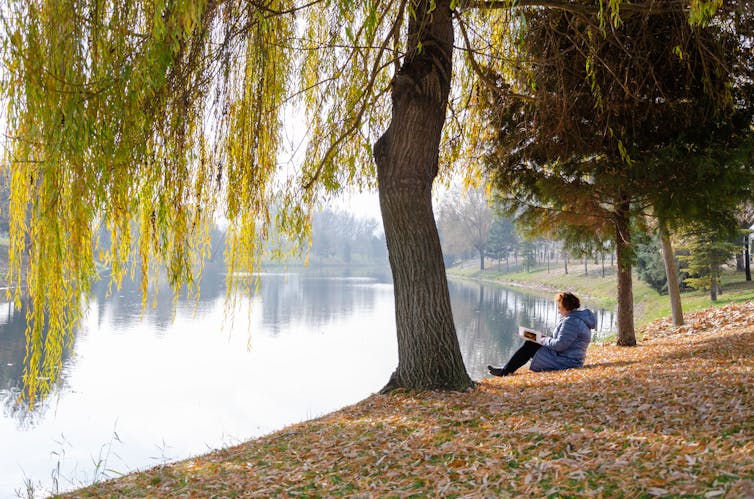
(566, 347)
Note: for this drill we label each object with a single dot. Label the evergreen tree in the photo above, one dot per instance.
(709, 250)
(650, 266)
(502, 239)
(529, 253)
(651, 116)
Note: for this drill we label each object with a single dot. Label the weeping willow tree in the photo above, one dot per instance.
(153, 117)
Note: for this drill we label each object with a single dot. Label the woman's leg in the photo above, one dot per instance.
(521, 357)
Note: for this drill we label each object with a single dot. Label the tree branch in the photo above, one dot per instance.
(356, 121)
(651, 6)
(276, 12)
(484, 75)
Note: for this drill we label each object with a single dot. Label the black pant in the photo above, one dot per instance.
(522, 356)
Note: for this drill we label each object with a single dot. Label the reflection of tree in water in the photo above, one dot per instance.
(485, 324)
(12, 345)
(14, 408)
(605, 322)
(123, 307)
(309, 297)
(487, 320)
(125, 304)
(12, 355)
(313, 299)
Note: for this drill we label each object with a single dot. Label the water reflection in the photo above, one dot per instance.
(12, 355)
(315, 300)
(124, 306)
(487, 320)
(12, 346)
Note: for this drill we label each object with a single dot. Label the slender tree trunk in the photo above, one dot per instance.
(626, 334)
(565, 264)
(429, 356)
(739, 262)
(717, 284)
(481, 259)
(747, 262)
(674, 290)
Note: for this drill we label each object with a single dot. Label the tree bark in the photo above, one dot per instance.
(715, 288)
(429, 355)
(747, 260)
(671, 272)
(739, 262)
(626, 334)
(565, 264)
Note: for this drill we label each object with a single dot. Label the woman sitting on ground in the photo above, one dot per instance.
(566, 348)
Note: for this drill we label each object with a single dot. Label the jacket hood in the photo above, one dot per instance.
(587, 316)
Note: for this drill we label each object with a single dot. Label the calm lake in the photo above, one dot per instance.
(140, 388)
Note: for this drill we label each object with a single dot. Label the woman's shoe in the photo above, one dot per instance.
(497, 371)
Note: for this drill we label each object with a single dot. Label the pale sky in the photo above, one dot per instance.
(363, 205)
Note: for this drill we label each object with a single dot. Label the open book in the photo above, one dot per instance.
(530, 334)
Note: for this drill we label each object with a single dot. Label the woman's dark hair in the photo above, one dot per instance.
(568, 300)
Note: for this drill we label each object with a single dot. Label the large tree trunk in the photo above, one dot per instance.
(429, 356)
(626, 334)
(674, 289)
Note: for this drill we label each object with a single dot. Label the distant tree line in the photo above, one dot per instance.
(473, 227)
(341, 237)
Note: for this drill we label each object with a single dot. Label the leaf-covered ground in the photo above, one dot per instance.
(673, 416)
